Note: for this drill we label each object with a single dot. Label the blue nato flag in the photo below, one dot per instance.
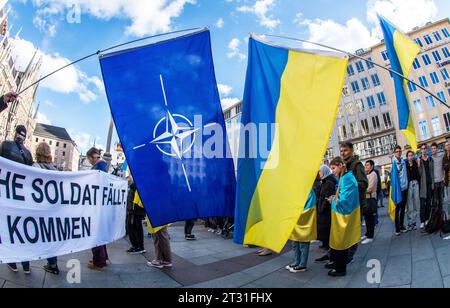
(166, 108)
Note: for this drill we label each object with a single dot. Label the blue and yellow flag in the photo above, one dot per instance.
(299, 92)
(346, 214)
(402, 52)
(306, 229)
(395, 195)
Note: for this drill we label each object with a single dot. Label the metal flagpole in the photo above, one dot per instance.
(364, 59)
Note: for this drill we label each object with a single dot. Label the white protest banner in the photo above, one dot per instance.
(45, 214)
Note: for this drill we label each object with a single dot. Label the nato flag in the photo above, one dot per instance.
(167, 111)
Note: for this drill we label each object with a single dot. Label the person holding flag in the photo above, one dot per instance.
(402, 52)
(346, 218)
(304, 233)
(399, 197)
(6, 99)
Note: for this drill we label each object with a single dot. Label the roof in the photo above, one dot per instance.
(52, 132)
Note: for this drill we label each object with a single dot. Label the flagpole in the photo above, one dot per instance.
(106, 50)
(364, 59)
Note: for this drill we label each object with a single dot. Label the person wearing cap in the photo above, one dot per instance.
(6, 99)
(17, 152)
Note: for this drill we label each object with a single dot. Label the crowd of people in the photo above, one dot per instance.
(347, 196)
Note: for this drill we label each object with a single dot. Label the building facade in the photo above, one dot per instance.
(11, 79)
(233, 116)
(65, 152)
(368, 112)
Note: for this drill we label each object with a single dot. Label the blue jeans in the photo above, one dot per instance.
(301, 251)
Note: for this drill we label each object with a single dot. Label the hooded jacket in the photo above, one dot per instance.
(354, 165)
(17, 152)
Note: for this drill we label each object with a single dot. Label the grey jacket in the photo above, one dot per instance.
(423, 177)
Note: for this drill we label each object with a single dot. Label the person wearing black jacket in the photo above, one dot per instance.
(7, 99)
(359, 171)
(327, 190)
(135, 216)
(413, 203)
(17, 152)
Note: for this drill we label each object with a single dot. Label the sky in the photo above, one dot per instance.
(66, 30)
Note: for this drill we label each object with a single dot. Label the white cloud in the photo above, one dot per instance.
(82, 139)
(234, 49)
(43, 119)
(404, 14)
(220, 23)
(229, 102)
(68, 81)
(262, 9)
(147, 17)
(349, 37)
(224, 90)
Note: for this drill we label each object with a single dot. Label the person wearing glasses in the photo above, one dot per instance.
(400, 210)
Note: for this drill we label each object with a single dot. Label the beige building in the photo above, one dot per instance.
(368, 114)
(11, 79)
(65, 152)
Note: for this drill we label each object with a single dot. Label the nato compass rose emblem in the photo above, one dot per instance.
(172, 132)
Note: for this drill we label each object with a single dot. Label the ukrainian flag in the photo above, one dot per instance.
(346, 214)
(402, 52)
(300, 92)
(395, 196)
(306, 229)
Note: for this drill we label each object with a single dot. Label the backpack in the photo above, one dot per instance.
(436, 223)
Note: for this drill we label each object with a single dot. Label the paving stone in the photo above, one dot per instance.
(426, 274)
(35, 280)
(443, 256)
(447, 282)
(398, 272)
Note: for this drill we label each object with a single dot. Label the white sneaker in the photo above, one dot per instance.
(422, 226)
(367, 241)
(447, 238)
(363, 238)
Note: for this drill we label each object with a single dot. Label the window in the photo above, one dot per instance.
(418, 106)
(412, 87)
(370, 64)
(371, 102)
(227, 115)
(437, 128)
(423, 126)
(430, 102)
(342, 132)
(423, 81)
(360, 105)
(419, 42)
(65, 145)
(64, 154)
(385, 55)
(365, 127)
(355, 87)
(376, 80)
(428, 39)
(346, 91)
(376, 123)
(387, 120)
(37, 139)
(365, 83)
(349, 108)
(434, 78)
(416, 64)
(51, 142)
(446, 52)
(437, 55)
(57, 144)
(447, 121)
(381, 99)
(350, 70)
(445, 74)
(359, 67)
(437, 36)
(354, 129)
(441, 95)
(446, 33)
(239, 109)
(426, 59)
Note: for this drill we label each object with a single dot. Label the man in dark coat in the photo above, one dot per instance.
(7, 99)
(355, 165)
